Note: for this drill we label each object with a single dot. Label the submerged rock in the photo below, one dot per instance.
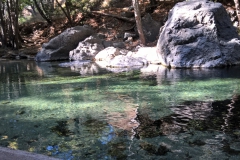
(152, 149)
(83, 67)
(107, 135)
(198, 34)
(76, 64)
(58, 48)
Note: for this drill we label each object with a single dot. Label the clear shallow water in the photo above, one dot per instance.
(90, 113)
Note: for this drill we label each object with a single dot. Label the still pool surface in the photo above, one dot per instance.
(85, 112)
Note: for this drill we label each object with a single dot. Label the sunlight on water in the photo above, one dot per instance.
(142, 114)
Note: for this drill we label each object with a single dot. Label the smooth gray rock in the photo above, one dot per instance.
(150, 28)
(87, 49)
(11, 154)
(119, 45)
(128, 14)
(101, 36)
(198, 34)
(58, 48)
(107, 44)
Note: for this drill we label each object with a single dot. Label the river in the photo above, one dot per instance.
(88, 112)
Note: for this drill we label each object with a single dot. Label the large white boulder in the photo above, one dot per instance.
(107, 54)
(87, 49)
(198, 34)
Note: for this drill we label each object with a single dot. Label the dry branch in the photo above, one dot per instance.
(131, 20)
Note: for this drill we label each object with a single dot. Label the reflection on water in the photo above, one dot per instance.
(80, 111)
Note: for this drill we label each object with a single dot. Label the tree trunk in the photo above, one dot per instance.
(237, 9)
(47, 8)
(10, 24)
(68, 4)
(43, 8)
(138, 21)
(42, 13)
(3, 25)
(151, 8)
(33, 9)
(66, 13)
(16, 26)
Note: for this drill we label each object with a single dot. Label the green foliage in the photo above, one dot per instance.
(83, 6)
(24, 3)
(74, 6)
(22, 20)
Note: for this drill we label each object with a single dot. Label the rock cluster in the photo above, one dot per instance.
(119, 58)
(81, 43)
(196, 34)
(59, 47)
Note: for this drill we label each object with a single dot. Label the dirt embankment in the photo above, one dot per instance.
(38, 32)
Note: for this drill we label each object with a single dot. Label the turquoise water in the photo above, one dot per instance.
(86, 112)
